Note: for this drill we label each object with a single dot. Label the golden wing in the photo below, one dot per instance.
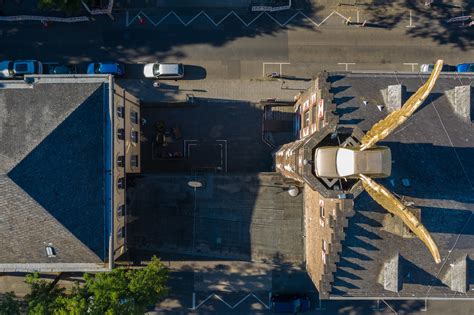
(391, 203)
(385, 127)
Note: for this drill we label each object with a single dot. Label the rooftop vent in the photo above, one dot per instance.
(50, 251)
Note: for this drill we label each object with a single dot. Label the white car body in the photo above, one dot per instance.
(148, 70)
(425, 68)
(336, 162)
(163, 70)
(6, 69)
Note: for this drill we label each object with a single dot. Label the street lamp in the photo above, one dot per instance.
(195, 185)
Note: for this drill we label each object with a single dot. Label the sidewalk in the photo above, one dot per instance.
(208, 90)
(182, 3)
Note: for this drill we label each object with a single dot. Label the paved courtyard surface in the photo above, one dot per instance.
(247, 217)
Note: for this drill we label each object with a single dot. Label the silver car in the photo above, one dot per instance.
(164, 70)
(336, 162)
(6, 69)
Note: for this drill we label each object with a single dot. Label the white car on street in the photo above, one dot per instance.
(164, 70)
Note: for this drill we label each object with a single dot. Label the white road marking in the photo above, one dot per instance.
(141, 14)
(411, 24)
(412, 64)
(214, 295)
(347, 64)
(274, 63)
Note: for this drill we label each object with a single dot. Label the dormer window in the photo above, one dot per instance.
(121, 133)
(134, 117)
(121, 111)
(121, 183)
(121, 161)
(134, 136)
(121, 211)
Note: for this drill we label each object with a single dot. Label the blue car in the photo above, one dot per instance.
(106, 68)
(465, 67)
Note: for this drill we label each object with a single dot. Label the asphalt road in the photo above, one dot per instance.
(232, 50)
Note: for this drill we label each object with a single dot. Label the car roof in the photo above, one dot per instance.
(62, 69)
(169, 68)
(108, 67)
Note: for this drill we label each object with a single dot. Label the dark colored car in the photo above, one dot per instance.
(106, 68)
(465, 67)
(56, 68)
(293, 303)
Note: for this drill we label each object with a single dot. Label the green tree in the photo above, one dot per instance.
(43, 295)
(127, 291)
(9, 305)
(74, 303)
(68, 6)
(120, 291)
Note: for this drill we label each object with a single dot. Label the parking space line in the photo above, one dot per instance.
(347, 64)
(140, 16)
(274, 63)
(410, 25)
(412, 64)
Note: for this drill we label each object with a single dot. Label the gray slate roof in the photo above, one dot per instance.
(52, 172)
(434, 149)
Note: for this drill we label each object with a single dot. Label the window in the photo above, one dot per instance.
(120, 111)
(121, 232)
(121, 133)
(50, 251)
(134, 161)
(325, 246)
(134, 117)
(121, 161)
(134, 136)
(314, 111)
(121, 183)
(306, 119)
(121, 210)
(321, 211)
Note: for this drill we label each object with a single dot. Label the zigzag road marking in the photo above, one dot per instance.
(217, 297)
(142, 14)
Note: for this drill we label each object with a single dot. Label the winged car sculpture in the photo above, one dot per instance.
(370, 161)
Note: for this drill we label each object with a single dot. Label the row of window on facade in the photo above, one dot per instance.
(133, 161)
(133, 135)
(133, 114)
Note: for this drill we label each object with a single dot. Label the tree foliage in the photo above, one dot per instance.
(9, 305)
(68, 6)
(120, 291)
(42, 297)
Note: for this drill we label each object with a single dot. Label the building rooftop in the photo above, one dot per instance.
(433, 167)
(52, 172)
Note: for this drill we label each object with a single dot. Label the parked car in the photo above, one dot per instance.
(290, 303)
(106, 68)
(57, 68)
(164, 70)
(427, 68)
(22, 67)
(336, 162)
(6, 69)
(465, 67)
